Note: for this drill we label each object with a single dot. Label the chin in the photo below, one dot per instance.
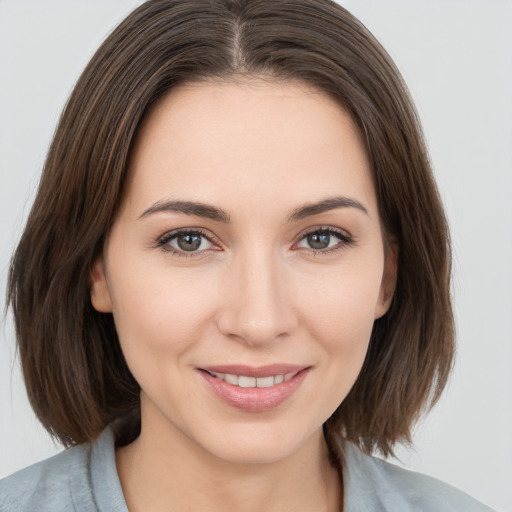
(260, 446)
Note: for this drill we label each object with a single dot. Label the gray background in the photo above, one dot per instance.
(456, 57)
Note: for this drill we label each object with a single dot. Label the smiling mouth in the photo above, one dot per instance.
(245, 381)
(254, 389)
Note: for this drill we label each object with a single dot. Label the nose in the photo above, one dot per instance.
(256, 306)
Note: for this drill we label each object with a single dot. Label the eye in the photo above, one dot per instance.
(324, 240)
(185, 242)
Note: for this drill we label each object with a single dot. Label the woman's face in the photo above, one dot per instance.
(246, 266)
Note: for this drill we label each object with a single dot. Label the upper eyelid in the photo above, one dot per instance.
(210, 235)
(330, 229)
(174, 232)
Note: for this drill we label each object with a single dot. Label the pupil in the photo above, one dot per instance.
(189, 242)
(319, 240)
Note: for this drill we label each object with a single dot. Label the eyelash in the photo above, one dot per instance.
(161, 243)
(165, 239)
(345, 240)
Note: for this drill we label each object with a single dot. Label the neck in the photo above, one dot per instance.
(164, 468)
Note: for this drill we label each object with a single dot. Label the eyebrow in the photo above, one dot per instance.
(326, 205)
(189, 208)
(212, 212)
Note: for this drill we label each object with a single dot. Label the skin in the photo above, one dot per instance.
(254, 293)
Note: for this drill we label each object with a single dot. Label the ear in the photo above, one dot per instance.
(388, 283)
(100, 294)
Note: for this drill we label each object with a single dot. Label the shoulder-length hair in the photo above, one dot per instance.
(75, 373)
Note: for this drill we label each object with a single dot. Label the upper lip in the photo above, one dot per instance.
(255, 371)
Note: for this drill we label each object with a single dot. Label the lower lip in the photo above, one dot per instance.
(254, 399)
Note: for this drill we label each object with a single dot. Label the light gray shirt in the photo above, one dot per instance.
(85, 479)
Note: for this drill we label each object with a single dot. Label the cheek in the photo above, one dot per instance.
(339, 316)
(341, 304)
(161, 311)
(345, 327)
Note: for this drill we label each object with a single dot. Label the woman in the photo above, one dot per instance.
(233, 286)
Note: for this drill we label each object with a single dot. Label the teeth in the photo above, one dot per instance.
(244, 381)
(278, 379)
(230, 379)
(264, 382)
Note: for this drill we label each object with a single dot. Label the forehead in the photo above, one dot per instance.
(259, 139)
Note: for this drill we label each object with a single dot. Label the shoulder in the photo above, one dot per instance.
(374, 484)
(81, 478)
(45, 485)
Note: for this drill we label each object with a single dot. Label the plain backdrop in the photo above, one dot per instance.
(456, 57)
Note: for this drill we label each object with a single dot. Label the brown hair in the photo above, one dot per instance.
(75, 373)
